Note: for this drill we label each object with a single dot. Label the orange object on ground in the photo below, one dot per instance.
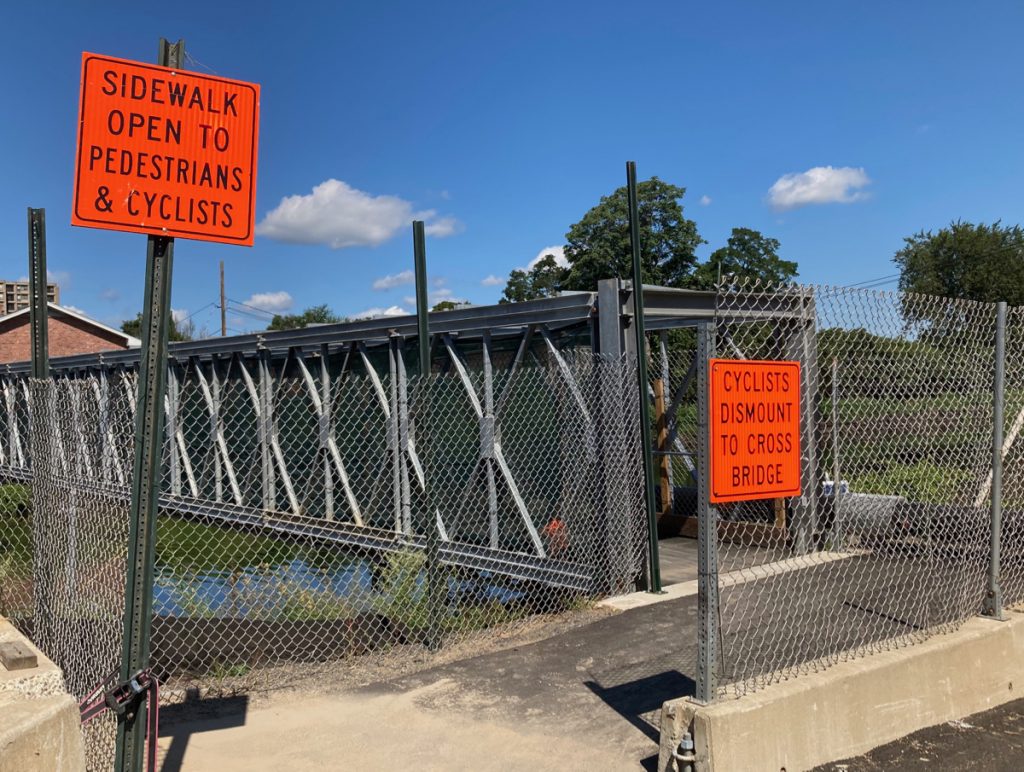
(557, 535)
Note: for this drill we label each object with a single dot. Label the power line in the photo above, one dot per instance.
(254, 308)
(203, 308)
(248, 314)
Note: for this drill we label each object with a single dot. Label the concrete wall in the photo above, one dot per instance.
(854, 706)
(39, 724)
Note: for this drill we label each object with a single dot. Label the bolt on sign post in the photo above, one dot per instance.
(169, 154)
(754, 429)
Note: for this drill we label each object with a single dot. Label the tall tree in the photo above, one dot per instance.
(313, 315)
(977, 262)
(541, 281)
(748, 256)
(598, 245)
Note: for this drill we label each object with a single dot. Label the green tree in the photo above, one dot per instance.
(748, 256)
(541, 281)
(977, 262)
(598, 245)
(178, 330)
(313, 315)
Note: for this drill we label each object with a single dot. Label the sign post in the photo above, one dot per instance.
(169, 154)
(145, 492)
(748, 449)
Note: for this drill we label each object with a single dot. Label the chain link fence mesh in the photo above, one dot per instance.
(890, 535)
(296, 500)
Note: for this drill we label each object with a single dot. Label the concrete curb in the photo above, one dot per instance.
(40, 729)
(853, 706)
(687, 589)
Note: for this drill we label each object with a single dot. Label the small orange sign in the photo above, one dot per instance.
(755, 429)
(165, 152)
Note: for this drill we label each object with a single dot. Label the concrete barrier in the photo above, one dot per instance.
(853, 706)
(39, 725)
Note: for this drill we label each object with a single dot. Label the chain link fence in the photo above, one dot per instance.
(889, 542)
(325, 507)
(294, 532)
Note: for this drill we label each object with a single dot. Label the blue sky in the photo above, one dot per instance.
(502, 123)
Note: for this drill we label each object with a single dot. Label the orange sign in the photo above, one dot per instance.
(755, 429)
(165, 152)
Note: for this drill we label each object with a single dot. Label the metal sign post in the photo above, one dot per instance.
(149, 437)
(707, 526)
(641, 362)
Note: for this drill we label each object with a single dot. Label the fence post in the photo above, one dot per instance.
(993, 605)
(654, 562)
(613, 493)
(707, 528)
(38, 314)
(437, 590)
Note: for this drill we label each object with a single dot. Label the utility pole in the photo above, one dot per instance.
(223, 307)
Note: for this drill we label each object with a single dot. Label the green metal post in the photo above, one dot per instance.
(37, 310)
(149, 440)
(435, 579)
(641, 361)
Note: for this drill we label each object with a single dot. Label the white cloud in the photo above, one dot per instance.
(337, 215)
(110, 294)
(820, 185)
(491, 281)
(393, 280)
(377, 312)
(705, 200)
(558, 252)
(444, 226)
(270, 301)
(179, 315)
(61, 278)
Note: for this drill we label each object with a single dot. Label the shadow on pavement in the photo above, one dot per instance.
(179, 722)
(639, 701)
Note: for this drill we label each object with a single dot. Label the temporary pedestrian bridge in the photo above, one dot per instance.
(329, 433)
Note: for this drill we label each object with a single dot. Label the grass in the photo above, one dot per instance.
(924, 482)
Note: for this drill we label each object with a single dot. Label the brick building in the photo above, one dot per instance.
(14, 295)
(69, 332)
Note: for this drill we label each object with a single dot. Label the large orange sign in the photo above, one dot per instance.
(755, 429)
(165, 152)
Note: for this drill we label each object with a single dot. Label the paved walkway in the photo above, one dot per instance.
(588, 699)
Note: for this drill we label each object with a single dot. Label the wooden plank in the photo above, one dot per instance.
(780, 512)
(661, 426)
(15, 655)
